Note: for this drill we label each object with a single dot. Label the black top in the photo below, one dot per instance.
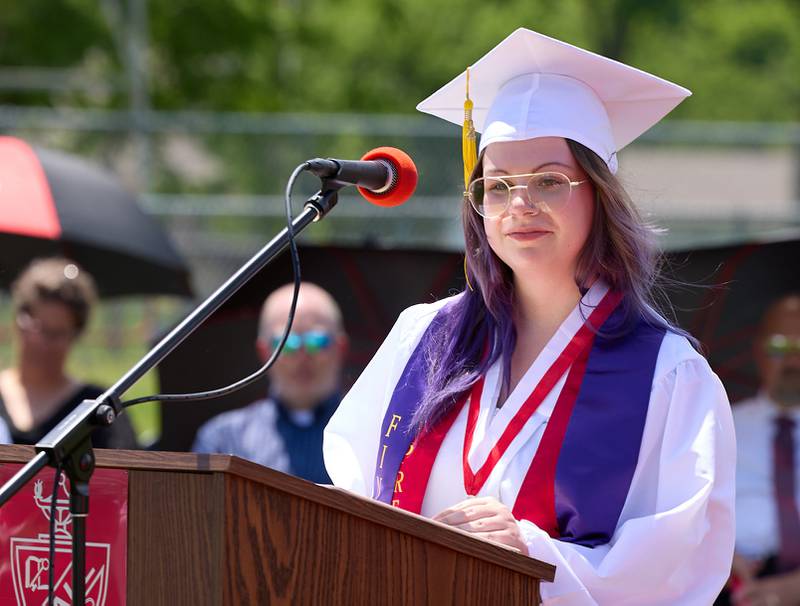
(119, 435)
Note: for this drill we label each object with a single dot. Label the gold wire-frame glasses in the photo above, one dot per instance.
(491, 196)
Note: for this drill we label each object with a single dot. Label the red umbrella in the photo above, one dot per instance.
(52, 203)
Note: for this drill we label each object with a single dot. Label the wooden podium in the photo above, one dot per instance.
(218, 530)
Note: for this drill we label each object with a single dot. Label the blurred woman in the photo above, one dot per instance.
(52, 301)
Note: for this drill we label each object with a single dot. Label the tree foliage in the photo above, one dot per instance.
(740, 57)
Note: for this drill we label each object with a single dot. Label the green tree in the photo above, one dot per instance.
(740, 57)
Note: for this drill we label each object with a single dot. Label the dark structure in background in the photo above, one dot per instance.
(374, 286)
(371, 286)
(739, 284)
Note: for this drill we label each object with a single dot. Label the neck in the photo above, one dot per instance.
(542, 305)
(35, 377)
(786, 405)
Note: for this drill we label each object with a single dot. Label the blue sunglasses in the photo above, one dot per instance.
(779, 346)
(312, 341)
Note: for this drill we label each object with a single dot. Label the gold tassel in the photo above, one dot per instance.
(468, 147)
(466, 274)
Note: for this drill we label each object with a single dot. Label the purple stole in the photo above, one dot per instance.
(579, 479)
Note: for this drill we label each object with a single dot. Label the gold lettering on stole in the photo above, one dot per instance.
(397, 488)
(379, 481)
(395, 502)
(410, 449)
(383, 454)
(393, 424)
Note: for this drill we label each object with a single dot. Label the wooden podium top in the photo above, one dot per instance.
(329, 496)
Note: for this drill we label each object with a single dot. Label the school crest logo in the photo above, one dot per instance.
(28, 544)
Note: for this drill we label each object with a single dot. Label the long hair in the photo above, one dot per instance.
(478, 326)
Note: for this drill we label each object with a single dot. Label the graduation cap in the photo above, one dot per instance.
(531, 86)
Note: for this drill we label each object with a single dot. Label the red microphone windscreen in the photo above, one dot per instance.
(406, 181)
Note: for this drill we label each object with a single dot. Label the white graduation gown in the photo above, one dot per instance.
(674, 540)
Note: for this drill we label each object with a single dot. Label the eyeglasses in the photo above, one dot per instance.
(491, 196)
(781, 345)
(312, 341)
(31, 325)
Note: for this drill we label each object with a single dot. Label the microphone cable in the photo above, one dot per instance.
(258, 374)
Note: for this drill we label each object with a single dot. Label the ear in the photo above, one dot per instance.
(342, 345)
(760, 356)
(263, 350)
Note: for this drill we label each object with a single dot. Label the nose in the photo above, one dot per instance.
(519, 203)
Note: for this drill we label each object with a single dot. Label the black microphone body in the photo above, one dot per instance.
(377, 176)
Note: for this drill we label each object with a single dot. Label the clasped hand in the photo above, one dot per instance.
(485, 517)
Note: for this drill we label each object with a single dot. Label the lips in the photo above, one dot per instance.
(527, 232)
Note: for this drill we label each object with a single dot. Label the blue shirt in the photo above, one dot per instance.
(273, 435)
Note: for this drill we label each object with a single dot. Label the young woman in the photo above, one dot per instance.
(52, 301)
(549, 407)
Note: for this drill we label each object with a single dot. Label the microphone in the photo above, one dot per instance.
(385, 176)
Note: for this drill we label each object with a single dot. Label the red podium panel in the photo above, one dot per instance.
(25, 540)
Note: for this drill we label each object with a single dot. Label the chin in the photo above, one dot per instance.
(529, 258)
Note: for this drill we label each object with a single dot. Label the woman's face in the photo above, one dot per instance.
(537, 238)
(46, 333)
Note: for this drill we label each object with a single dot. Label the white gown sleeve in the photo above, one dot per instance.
(674, 542)
(350, 443)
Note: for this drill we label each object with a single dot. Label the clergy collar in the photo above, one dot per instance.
(307, 417)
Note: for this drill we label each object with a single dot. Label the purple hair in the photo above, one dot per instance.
(478, 326)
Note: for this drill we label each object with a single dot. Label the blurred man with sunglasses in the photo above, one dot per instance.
(284, 430)
(767, 563)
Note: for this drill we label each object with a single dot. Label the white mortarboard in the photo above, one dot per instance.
(532, 86)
